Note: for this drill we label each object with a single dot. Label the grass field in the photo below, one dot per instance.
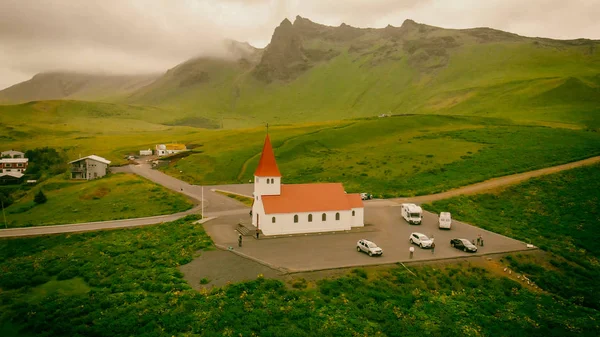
(394, 156)
(117, 196)
(126, 282)
(558, 213)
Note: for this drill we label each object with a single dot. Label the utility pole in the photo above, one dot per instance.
(3, 214)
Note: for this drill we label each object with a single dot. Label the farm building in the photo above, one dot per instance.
(146, 152)
(300, 208)
(90, 167)
(167, 149)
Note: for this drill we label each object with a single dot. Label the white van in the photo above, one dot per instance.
(412, 213)
(445, 220)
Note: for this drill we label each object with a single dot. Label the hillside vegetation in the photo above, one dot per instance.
(391, 156)
(394, 156)
(126, 282)
(117, 196)
(558, 213)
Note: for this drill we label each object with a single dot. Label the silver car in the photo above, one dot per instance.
(368, 247)
(420, 239)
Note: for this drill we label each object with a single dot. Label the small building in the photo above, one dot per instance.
(146, 152)
(167, 149)
(12, 154)
(88, 168)
(300, 208)
(8, 165)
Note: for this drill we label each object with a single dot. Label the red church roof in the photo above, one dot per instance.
(267, 166)
(299, 198)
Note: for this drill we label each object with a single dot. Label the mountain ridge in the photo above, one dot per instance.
(314, 72)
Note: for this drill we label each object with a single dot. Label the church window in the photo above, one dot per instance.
(352, 213)
(310, 218)
(337, 216)
(324, 217)
(272, 181)
(296, 218)
(273, 219)
(268, 181)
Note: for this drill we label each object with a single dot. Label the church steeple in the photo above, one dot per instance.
(267, 166)
(267, 178)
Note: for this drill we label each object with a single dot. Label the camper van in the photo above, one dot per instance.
(445, 220)
(412, 213)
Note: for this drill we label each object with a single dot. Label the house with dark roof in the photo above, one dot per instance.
(300, 208)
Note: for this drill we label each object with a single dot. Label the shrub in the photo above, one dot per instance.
(299, 283)
(204, 280)
(40, 198)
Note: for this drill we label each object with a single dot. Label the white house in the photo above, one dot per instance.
(13, 168)
(90, 167)
(146, 152)
(166, 149)
(300, 208)
(12, 154)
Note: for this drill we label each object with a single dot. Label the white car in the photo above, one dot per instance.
(421, 240)
(368, 247)
(445, 220)
(366, 196)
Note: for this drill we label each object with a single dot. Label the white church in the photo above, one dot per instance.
(300, 208)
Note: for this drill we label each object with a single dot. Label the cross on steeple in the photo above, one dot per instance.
(267, 128)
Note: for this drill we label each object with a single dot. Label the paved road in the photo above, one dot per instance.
(218, 205)
(215, 205)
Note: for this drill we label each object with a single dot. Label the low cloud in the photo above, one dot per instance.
(148, 36)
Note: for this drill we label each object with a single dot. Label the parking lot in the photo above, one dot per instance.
(384, 226)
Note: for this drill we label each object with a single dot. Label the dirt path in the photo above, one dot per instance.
(495, 183)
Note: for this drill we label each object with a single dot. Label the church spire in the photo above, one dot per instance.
(267, 166)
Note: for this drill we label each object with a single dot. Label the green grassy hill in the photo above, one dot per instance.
(65, 85)
(311, 72)
(117, 196)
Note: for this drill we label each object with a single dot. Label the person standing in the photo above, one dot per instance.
(239, 240)
(257, 234)
(411, 251)
(432, 246)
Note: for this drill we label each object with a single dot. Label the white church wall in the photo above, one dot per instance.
(284, 223)
(358, 220)
(257, 211)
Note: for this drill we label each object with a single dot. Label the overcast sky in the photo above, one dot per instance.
(140, 36)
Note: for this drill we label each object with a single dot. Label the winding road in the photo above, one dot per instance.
(216, 205)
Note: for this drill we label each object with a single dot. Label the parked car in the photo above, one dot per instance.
(366, 196)
(464, 245)
(421, 240)
(445, 220)
(368, 247)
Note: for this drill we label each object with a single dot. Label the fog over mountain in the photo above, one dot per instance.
(149, 36)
